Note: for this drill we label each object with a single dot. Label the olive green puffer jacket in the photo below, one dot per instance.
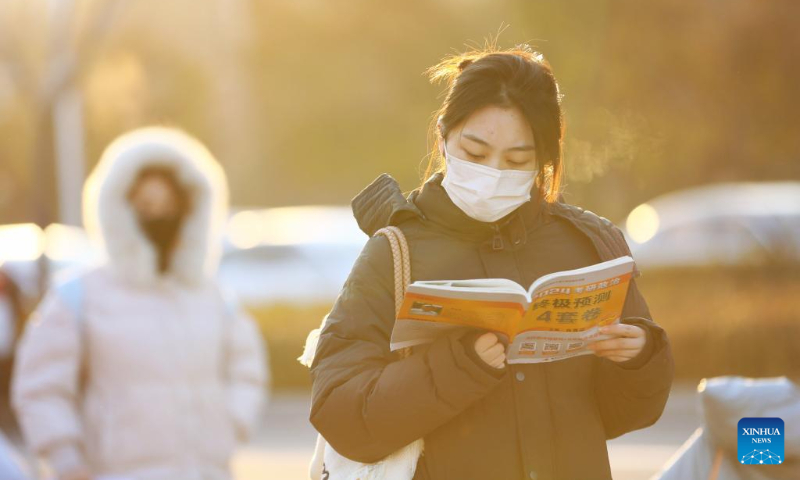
(546, 421)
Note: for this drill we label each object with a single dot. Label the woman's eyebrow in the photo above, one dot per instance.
(519, 148)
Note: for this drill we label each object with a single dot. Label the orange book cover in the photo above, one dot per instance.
(553, 319)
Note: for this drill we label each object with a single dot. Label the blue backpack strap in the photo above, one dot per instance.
(71, 292)
(230, 302)
(231, 310)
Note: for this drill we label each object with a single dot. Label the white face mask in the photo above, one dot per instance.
(485, 193)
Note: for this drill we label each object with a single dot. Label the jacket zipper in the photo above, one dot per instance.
(497, 240)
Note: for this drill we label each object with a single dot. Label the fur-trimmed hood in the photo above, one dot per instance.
(110, 218)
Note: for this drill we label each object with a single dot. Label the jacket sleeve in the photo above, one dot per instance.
(248, 373)
(632, 394)
(366, 402)
(45, 384)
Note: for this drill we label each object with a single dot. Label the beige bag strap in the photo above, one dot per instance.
(402, 269)
(714, 474)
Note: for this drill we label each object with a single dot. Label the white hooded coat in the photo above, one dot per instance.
(156, 377)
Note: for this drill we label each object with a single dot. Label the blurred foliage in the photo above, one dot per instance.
(305, 102)
(720, 321)
(284, 329)
(728, 321)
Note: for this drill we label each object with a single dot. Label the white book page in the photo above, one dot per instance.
(492, 284)
(580, 276)
(495, 292)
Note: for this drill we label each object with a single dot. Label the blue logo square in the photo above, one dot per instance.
(760, 440)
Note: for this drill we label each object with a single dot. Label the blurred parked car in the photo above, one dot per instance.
(723, 224)
(290, 254)
(272, 255)
(61, 246)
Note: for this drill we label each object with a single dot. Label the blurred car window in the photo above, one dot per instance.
(726, 224)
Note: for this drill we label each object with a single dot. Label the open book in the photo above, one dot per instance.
(554, 319)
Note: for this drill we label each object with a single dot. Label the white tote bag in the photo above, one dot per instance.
(327, 464)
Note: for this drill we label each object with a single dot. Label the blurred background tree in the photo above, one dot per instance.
(305, 102)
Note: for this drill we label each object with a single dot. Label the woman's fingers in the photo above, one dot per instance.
(486, 341)
(622, 330)
(496, 355)
(490, 349)
(498, 360)
(628, 341)
(624, 337)
(495, 349)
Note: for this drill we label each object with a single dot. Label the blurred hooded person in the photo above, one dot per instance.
(140, 368)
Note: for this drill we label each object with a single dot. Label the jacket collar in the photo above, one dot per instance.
(439, 209)
(382, 203)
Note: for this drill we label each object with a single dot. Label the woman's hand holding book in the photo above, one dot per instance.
(628, 341)
(491, 350)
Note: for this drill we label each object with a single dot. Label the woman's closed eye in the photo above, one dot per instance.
(518, 163)
(475, 155)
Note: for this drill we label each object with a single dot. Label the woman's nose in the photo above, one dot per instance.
(495, 162)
